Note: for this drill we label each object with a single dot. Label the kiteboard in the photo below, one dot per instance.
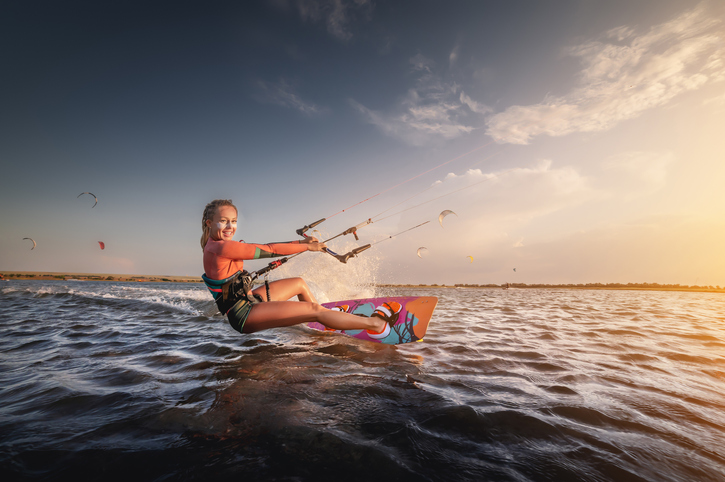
(411, 324)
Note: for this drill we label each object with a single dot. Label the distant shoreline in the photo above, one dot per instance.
(590, 286)
(49, 275)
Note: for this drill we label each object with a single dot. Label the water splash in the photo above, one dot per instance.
(331, 280)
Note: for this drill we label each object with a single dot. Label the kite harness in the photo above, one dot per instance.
(227, 292)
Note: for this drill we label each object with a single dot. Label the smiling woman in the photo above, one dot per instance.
(230, 285)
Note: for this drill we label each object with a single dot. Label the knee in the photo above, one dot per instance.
(318, 308)
(301, 285)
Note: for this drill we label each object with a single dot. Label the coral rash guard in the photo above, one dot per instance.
(222, 258)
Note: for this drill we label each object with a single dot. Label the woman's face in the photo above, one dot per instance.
(224, 223)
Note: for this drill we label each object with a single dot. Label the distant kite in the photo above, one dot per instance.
(102, 244)
(444, 214)
(514, 270)
(94, 197)
(471, 257)
(34, 244)
(421, 250)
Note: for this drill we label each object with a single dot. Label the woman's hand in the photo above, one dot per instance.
(309, 239)
(315, 246)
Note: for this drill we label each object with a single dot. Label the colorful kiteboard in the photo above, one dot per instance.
(411, 325)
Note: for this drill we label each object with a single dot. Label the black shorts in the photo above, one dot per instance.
(238, 314)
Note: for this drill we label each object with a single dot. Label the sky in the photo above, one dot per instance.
(577, 141)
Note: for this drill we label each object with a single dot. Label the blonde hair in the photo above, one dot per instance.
(209, 212)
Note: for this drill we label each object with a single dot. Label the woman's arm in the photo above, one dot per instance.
(306, 240)
(237, 250)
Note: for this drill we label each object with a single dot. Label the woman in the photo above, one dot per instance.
(224, 261)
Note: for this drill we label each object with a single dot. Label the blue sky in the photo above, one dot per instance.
(596, 128)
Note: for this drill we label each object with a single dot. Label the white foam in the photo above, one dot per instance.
(183, 298)
(331, 280)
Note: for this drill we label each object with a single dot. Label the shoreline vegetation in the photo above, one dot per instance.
(43, 275)
(580, 286)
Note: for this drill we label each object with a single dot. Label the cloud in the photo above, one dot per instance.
(421, 63)
(281, 93)
(623, 75)
(509, 199)
(337, 15)
(513, 196)
(558, 211)
(430, 111)
(494, 211)
(476, 107)
(453, 56)
(420, 121)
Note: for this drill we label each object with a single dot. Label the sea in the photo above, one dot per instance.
(130, 381)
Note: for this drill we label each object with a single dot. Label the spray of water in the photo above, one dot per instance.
(331, 280)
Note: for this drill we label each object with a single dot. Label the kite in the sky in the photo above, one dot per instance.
(102, 244)
(421, 250)
(444, 214)
(34, 244)
(514, 270)
(471, 257)
(94, 197)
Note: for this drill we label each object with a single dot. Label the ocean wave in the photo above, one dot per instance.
(184, 299)
(536, 385)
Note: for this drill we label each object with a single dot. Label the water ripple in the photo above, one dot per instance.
(508, 385)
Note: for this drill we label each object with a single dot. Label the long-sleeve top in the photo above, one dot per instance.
(222, 258)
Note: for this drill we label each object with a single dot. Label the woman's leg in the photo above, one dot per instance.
(275, 314)
(284, 289)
